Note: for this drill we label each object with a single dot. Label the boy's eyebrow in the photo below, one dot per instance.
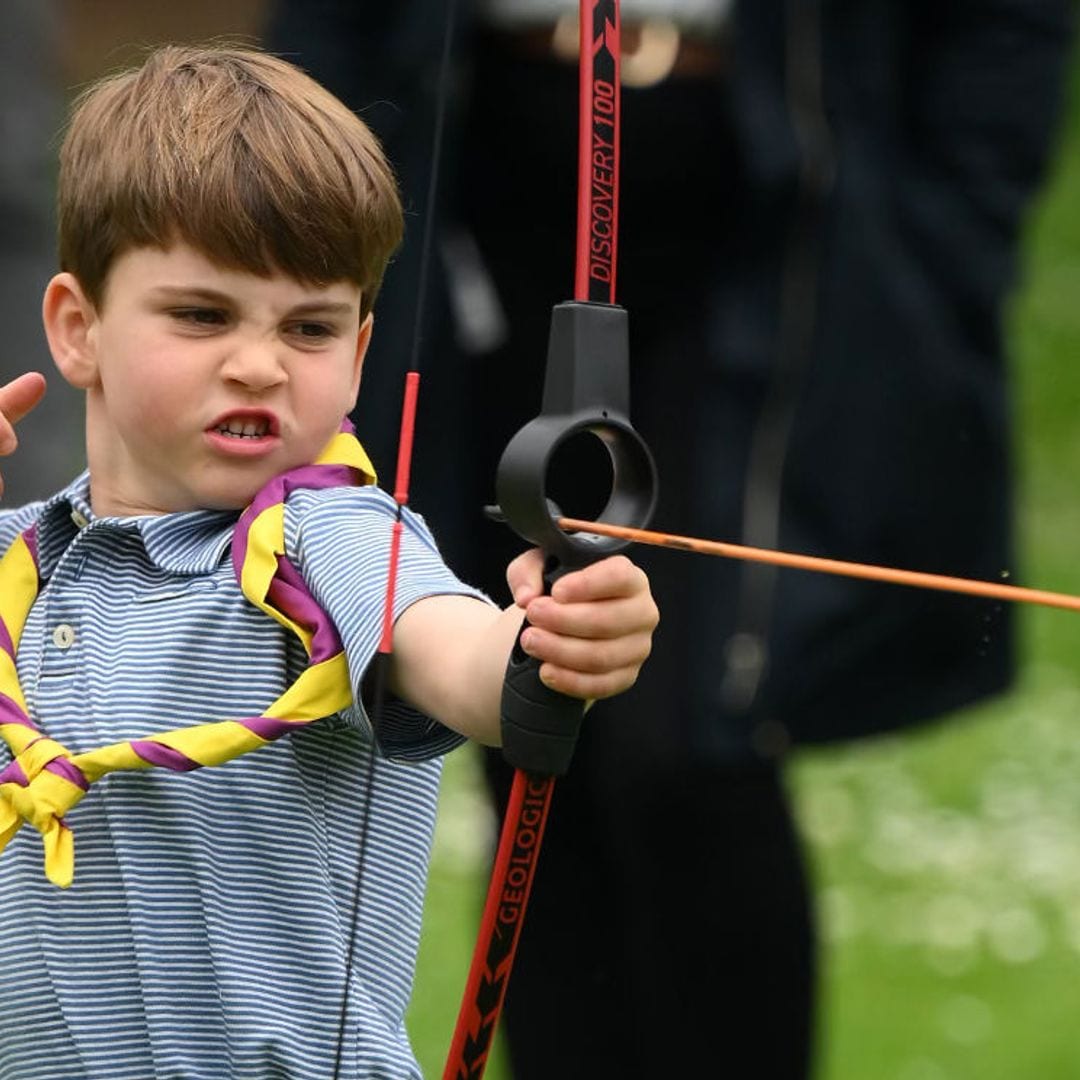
(189, 293)
(323, 307)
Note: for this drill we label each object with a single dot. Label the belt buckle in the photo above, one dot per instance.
(650, 62)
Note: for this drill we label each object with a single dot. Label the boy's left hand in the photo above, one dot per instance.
(594, 631)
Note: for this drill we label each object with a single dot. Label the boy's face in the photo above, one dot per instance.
(205, 382)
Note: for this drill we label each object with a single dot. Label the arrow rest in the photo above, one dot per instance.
(586, 391)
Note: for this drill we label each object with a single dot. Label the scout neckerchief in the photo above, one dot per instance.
(45, 780)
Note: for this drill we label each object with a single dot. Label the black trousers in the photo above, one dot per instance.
(669, 932)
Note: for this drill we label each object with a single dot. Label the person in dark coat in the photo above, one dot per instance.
(821, 211)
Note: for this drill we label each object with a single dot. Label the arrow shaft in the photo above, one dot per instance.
(917, 579)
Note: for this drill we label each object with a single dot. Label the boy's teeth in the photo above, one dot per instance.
(245, 429)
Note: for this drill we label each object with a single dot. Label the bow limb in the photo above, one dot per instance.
(586, 393)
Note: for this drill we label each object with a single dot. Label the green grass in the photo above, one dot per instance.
(948, 874)
(946, 861)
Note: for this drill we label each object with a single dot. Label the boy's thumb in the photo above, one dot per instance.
(20, 395)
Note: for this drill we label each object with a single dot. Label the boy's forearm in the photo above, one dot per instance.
(591, 636)
(472, 641)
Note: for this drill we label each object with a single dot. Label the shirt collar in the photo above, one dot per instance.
(192, 542)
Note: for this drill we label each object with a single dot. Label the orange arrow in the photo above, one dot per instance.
(941, 582)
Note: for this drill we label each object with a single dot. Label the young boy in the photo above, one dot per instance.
(224, 225)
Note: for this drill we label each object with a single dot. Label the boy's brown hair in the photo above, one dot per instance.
(234, 151)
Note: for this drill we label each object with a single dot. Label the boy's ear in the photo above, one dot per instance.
(69, 319)
(363, 340)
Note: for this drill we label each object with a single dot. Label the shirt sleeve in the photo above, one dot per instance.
(339, 541)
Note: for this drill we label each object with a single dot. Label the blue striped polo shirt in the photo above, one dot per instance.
(205, 935)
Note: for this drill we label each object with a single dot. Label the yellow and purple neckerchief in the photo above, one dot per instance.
(45, 780)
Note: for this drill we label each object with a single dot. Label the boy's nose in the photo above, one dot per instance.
(255, 364)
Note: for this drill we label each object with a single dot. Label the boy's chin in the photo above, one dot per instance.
(233, 504)
(233, 498)
(236, 492)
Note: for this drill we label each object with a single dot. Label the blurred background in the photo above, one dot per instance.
(48, 49)
(946, 862)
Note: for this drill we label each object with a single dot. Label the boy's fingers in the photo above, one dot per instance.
(17, 398)
(589, 657)
(525, 576)
(596, 620)
(615, 576)
(604, 600)
(20, 395)
(588, 687)
(610, 577)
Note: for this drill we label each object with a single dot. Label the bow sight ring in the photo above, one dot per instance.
(586, 391)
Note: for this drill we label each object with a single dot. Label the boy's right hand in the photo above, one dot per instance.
(17, 398)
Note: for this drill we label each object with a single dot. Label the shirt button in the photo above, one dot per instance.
(64, 636)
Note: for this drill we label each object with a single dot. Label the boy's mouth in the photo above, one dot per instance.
(249, 429)
(245, 426)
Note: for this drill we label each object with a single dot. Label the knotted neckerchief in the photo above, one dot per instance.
(45, 780)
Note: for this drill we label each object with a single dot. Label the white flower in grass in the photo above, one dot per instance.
(1047, 858)
(901, 920)
(952, 963)
(952, 921)
(828, 815)
(1016, 935)
(1070, 910)
(898, 844)
(840, 914)
(966, 1019)
(1009, 792)
(956, 844)
(922, 1068)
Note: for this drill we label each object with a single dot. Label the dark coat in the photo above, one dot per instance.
(815, 251)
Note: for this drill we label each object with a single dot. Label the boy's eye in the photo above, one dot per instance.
(312, 330)
(311, 335)
(199, 316)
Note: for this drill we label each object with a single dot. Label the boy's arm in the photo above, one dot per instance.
(592, 635)
(17, 398)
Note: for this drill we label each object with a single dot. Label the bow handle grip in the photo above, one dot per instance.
(539, 725)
